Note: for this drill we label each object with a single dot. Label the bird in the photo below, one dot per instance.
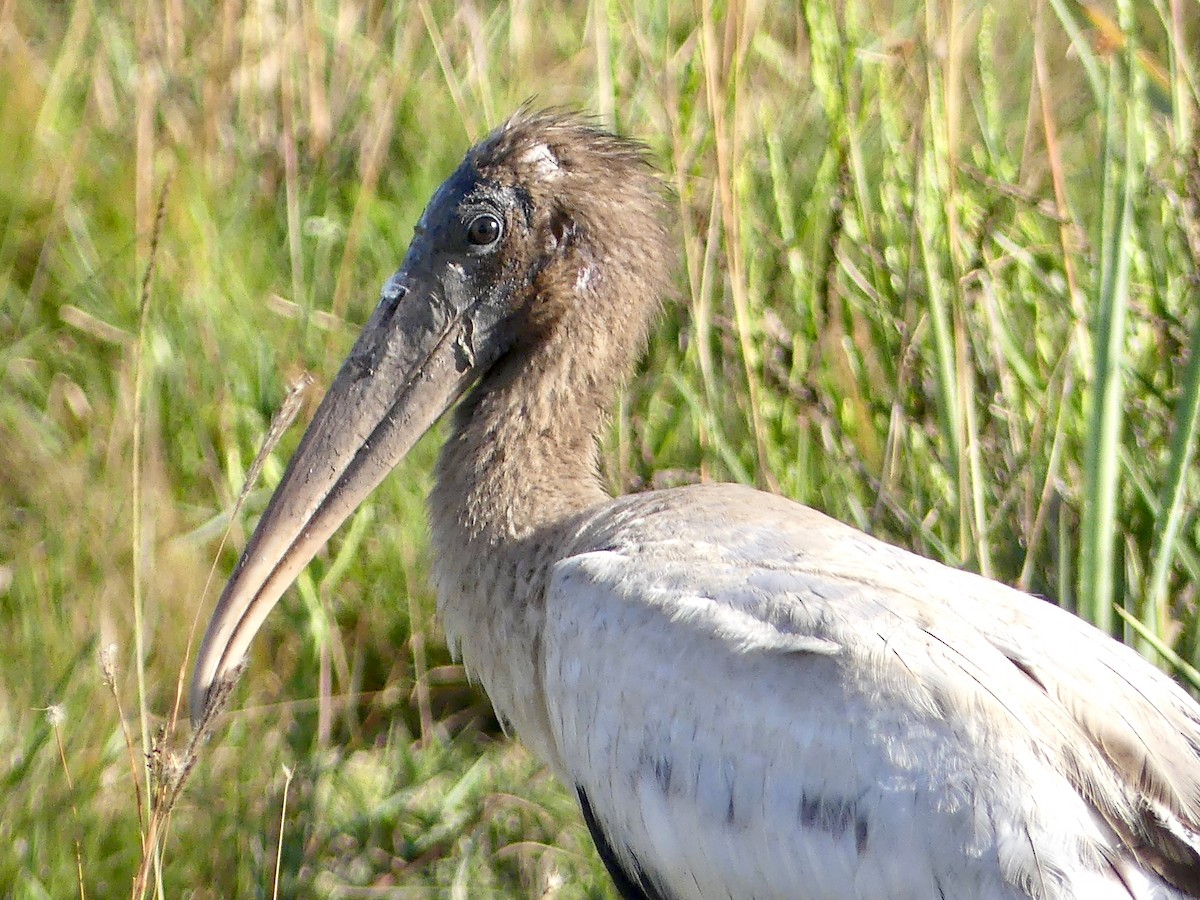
(748, 698)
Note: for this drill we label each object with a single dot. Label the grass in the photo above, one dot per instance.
(938, 278)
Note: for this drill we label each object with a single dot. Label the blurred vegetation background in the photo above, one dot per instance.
(939, 278)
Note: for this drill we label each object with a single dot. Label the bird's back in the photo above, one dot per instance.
(754, 700)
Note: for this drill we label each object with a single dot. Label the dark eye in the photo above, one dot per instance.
(483, 230)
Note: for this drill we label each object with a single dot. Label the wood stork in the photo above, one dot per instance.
(750, 700)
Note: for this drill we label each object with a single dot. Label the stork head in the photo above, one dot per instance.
(510, 252)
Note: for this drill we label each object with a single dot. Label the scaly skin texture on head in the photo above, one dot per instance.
(587, 223)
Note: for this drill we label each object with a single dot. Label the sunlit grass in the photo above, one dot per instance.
(938, 277)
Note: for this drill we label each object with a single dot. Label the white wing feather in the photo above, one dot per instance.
(765, 706)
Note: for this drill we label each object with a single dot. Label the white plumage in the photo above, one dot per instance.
(758, 701)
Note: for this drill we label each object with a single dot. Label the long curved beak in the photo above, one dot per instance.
(412, 361)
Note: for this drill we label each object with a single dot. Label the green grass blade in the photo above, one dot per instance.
(1182, 666)
(1106, 415)
(1173, 499)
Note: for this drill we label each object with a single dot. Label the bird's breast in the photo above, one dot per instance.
(491, 601)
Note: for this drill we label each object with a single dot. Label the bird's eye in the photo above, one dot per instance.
(483, 230)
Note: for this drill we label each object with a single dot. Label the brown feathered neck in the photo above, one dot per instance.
(523, 451)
